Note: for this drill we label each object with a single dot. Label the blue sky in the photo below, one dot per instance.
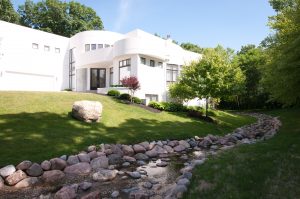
(231, 23)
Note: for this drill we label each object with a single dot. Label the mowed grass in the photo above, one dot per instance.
(269, 169)
(37, 125)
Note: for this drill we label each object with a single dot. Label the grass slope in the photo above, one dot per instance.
(38, 125)
(269, 169)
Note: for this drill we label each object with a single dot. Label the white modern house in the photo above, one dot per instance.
(34, 60)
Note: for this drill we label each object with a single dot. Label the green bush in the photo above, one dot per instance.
(114, 93)
(156, 105)
(136, 100)
(125, 96)
(173, 106)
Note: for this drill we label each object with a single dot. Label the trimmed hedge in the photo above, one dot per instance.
(114, 93)
(136, 100)
(173, 107)
(125, 96)
(156, 105)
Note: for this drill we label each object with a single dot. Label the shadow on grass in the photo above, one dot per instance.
(43, 135)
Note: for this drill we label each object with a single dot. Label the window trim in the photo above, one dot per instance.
(95, 47)
(152, 61)
(35, 46)
(172, 70)
(46, 48)
(57, 50)
(87, 49)
(143, 60)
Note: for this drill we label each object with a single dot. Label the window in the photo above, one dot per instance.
(124, 68)
(93, 46)
(151, 97)
(107, 45)
(57, 50)
(46, 48)
(152, 63)
(100, 46)
(35, 46)
(172, 73)
(111, 76)
(159, 64)
(143, 60)
(87, 47)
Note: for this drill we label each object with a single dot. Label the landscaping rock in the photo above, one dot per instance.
(141, 162)
(183, 181)
(139, 148)
(24, 165)
(92, 195)
(79, 168)
(145, 145)
(126, 164)
(100, 162)
(184, 143)
(87, 111)
(105, 175)
(85, 186)
(7, 170)
(156, 151)
(72, 159)
(179, 190)
(58, 164)
(1, 182)
(138, 194)
(46, 165)
(83, 157)
(179, 148)
(27, 182)
(116, 149)
(53, 176)
(115, 194)
(115, 159)
(129, 159)
(91, 148)
(162, 164)
(93, 154)
(173, 143)
(66, 192)
(147, 185)
(127, 150)
(141, 156)
(134, 174)
(63, 157)
(168, 148)
(35, 170)
(15, 177)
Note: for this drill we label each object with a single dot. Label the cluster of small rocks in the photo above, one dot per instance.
(101, 161)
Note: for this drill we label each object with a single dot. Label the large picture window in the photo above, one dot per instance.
(172, 73)
(124, 68)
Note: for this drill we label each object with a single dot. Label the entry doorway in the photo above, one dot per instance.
(98, 78)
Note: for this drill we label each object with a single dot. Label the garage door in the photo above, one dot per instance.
(28, 82)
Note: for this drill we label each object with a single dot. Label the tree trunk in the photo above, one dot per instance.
(206, 109)
(238, 102)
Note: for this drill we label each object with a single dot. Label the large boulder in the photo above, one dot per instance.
(27, 182)
(34, 170)
(24, 165)
(100, 162)
(53, 176)
(66, 192)
(15, 177)
(87, 111)
(79, 168)
(58, 164)
(7, 170)
(127, 150)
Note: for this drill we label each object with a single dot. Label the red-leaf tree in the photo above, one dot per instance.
(132, 83)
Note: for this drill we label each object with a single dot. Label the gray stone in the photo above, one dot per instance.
(72, 159)
(127, 150)
(58, 164)
(93, 154)
(184, 143)
(162, 164)
(179, 190)
(1, 182)
(27, 182)
(115, 159)
(66, 192)
(116, 149)
(187, 175)
(83, 157)
(15, 177)
(53, 176)
(159, 143)
(198, 162)
(91, 148)
(147, 185)
(129, 159)
(92, 195)
(100, 162)
(183, 181)
(75, 187)
(139, 194)
(46, 165)
(134, 174)
(7, 170)
(206, 142)
(87, 111)
(85, 186)
(105, 175)
(143, 172)
(141, 162)
(156, 151)
(63, 157)
(141, 156)
(126, 164)
(168, 149)
(79, 168)
(179, 148)
(121, 172)
(24, 165)
(35, 170)
(173, 143)
(145, 145)
(139, 148)
(128, 190)
(115, 194)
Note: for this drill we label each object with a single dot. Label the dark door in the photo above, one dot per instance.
(98, 78)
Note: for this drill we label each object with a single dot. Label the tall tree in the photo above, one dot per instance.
(282, 72)
(59, 17)
(7, 12)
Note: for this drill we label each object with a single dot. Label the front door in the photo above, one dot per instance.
(98, 78)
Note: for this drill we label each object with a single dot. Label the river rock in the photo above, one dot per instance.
(87, 111)
(183, 181)
(79, 168)
(115, 194)
(24, 165)
(83, 157)
(93, 154)
(156, 151)
(92, 195)
(58, 164)
(126, 164)
(179, 148)
(27, 182)
(66, 192)
(139, 194)
(34, 170)
(162, 164)
(139, 148)
(141, 156)
(173, 143)
(145, 145)
(129, 159)
(7, 170)
(46, 165)
(53, 176)
(134, 174)
(168, 149)
(184, 143)
(72, 159)
(147, 185)
(140, 162)
(115, 159)
(178, 190)
(1, 182)
(91, 148)
(127, 150)
(116, 149)
(85, 186)
(105, 175)
(100, 162)
(15, 177)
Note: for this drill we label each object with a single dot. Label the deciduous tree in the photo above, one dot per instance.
(132, 83)
(7, 12)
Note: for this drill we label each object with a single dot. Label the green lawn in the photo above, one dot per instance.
(38, 126)
(269, 169)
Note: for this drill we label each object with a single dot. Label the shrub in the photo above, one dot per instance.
(156, 105)
(194, 113)
(173, 106)
(136, 100)
(125, 96)
(114, 93)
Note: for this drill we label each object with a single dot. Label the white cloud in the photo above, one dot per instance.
(124, 10)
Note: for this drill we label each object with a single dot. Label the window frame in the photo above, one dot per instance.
(57, 50)
(87, 49)
(93, 47)
(172, 68)
(46, 48)
(35, 46)
(152, 63)
(143, 60)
